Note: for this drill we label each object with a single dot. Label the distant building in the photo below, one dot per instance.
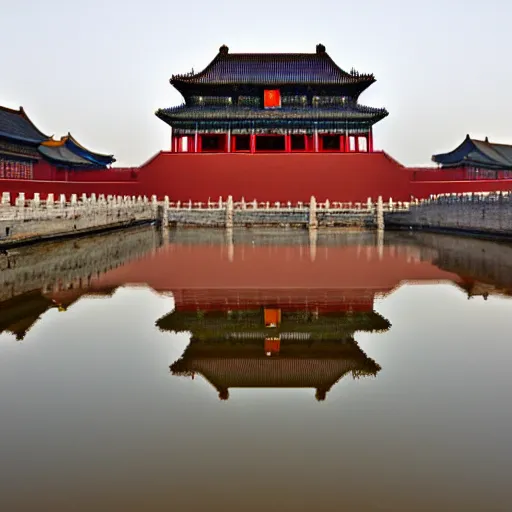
(22, 145)
(19, 143)
(479, 156)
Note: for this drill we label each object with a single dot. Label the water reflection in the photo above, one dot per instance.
(100, 412)
(264, 308)
(273, 347)
(35, 279)
(239, 275)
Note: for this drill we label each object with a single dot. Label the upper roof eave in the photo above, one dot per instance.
(247, 113)
(37, 136)
(70, 138)
(248, 68)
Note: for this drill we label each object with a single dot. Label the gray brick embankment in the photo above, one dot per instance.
(228, 214)
(37, 221)
(484, 214)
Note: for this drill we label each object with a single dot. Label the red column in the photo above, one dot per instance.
(253, 143)
(190, 144)
(342, 143)
(356, 143)
(288, 143)
(370, 141)
(233, 143)
(199, 143)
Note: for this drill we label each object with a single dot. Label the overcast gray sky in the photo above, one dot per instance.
(100, 68)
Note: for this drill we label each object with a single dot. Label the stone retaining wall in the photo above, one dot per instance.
(35, 218)
(312, 215)
(485, 213)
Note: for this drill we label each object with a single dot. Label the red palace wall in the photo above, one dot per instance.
(274, 177)
(265, 177)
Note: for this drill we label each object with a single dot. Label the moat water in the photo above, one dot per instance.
(256, 370)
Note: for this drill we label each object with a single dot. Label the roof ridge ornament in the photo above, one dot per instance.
(320, 49)
(223, 50)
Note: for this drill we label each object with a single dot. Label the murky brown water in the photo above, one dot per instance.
(256, 370)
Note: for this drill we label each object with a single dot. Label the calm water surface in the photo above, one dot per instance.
(256, 370)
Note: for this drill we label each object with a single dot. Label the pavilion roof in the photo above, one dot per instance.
(94, 157)
(273, 69)
(477, 153)
(347, 112)
(61, 154)
(67, 151)
(15, 125)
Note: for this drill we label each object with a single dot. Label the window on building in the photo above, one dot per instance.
(331, 142)
(363, 144)
(242, 143)
(270, 143)
(298, 142)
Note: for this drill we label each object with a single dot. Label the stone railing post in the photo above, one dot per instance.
(380, 214)
(20, 200)
(229, 213)
(163, 213)
(313, 223)
(6, 198)
(313, 237)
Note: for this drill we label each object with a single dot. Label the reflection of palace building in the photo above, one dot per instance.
(315, 292)
(273, 347)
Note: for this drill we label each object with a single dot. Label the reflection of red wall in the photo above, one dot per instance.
(186, 270)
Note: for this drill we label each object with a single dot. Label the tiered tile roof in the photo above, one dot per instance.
(67, 151)
(273, 69)
(477, 153)
(15, 125)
